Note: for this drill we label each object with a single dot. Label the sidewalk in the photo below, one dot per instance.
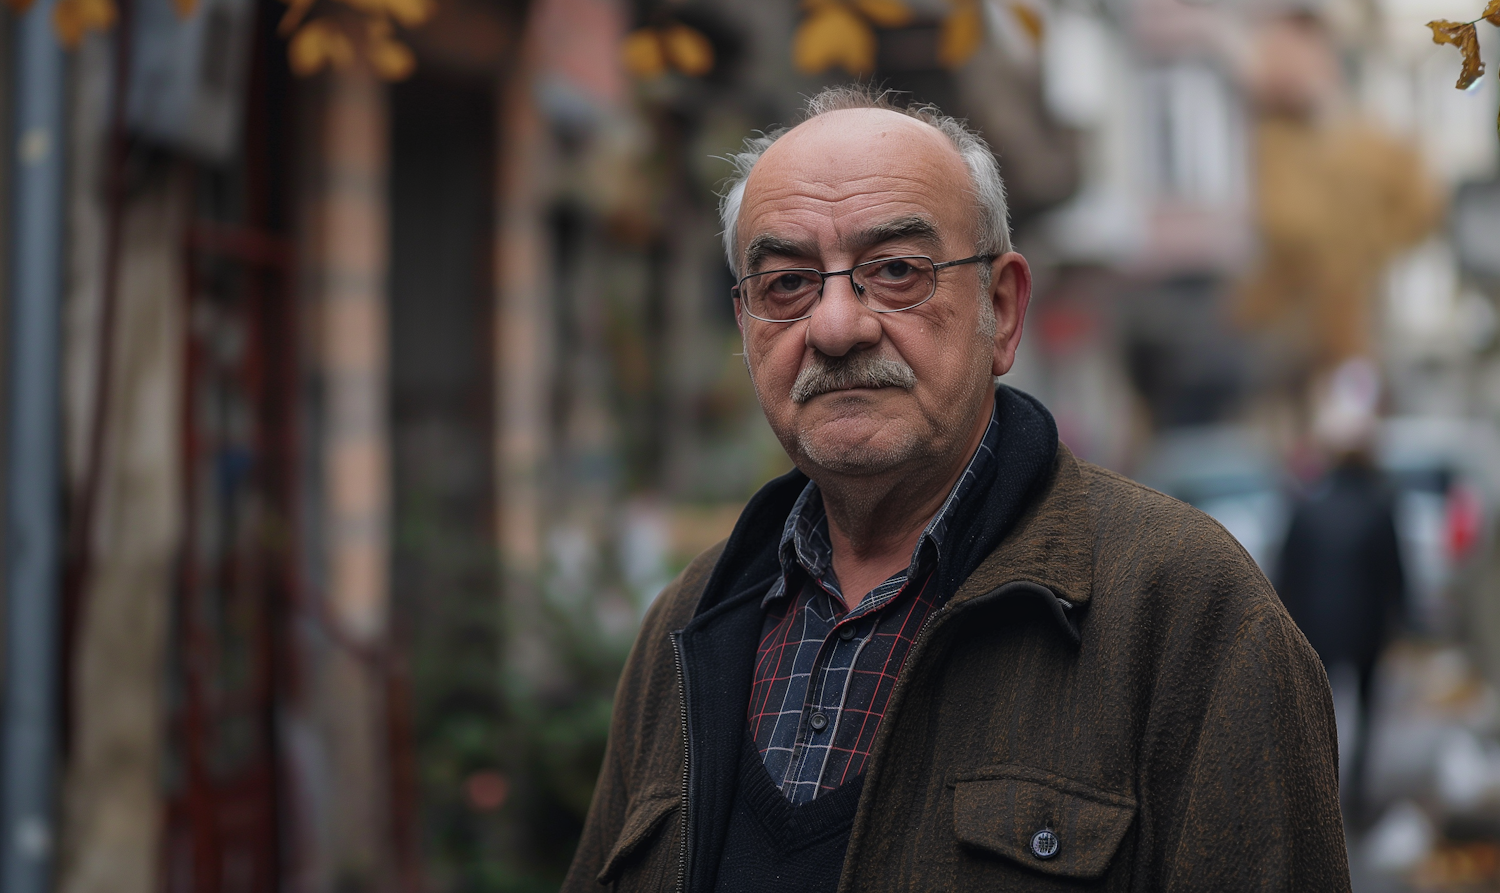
(1433, 776)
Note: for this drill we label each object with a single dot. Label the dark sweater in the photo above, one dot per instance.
(773, 845)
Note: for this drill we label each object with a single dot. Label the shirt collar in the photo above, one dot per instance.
(804, 538)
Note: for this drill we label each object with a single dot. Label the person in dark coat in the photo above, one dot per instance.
(943, 653)
(1340, 577)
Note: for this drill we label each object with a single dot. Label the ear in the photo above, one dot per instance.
(1010, 293)
(739, 312)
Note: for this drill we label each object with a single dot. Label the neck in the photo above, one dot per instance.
(875, 521)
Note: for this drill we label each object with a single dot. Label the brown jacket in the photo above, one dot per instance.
(1117, 671)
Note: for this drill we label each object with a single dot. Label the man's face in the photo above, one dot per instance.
(877, 392)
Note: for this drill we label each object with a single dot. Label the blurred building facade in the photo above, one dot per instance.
(389, 406)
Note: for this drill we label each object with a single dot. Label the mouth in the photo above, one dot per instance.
(852, 389)
(845, 389)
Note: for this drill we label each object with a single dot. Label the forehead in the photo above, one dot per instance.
(843, 171)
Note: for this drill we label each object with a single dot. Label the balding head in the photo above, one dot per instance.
(825, 117)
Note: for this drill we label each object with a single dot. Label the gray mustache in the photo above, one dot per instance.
(856, 370)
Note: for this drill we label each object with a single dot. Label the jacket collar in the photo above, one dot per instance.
(1023, 475)
(1048, 545)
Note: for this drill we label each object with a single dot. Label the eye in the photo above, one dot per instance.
(788, 283)
(894, 270)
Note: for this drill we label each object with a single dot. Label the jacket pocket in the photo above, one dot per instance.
(642, 819)
(1008, 811)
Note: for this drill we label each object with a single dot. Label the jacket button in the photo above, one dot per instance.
(1044, 844)
(819, 722)
(847, 632)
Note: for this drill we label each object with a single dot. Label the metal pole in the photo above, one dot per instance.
(28, 739)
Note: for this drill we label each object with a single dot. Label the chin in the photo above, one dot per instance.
(867, 457)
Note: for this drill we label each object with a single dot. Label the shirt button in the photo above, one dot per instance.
(819, 722)
(847, 632)
(1044, 844)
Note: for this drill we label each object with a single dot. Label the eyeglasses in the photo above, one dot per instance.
(885, 285)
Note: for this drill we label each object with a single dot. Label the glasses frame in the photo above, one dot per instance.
(859, 291)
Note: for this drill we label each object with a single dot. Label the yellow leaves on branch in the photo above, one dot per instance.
(842, 33)
(1031, 21)
(642, 54)
(407, 13)
(72, 18)
(963, 32)
(649, 53)
(1464, 36)
(319, 44)
(391, 59)
(833, 34)
(326, 42)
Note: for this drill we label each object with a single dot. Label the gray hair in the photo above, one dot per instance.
(992, 229)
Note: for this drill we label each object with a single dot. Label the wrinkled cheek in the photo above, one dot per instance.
(767, 366)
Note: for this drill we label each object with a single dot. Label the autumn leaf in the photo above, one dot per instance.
(19, 6)
(391, 59)
(687, 49)
(887, 13)
(963, 31)
(1464, 36)
(316, 44)
(410, 13)
(834, 35)
(1492, 13)
(71, 18)
(642, 54)
(1031, 21)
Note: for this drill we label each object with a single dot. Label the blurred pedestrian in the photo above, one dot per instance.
(1340, 573)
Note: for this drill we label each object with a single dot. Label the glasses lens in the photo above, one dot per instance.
(896, 283)
(781, 294)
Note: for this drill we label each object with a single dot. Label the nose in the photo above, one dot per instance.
(840, 323)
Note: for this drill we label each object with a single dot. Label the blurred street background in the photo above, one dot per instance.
(369, 365)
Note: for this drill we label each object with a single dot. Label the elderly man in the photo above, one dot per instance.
(944, 653)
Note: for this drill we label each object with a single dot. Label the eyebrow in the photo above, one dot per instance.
(913, 227)
(768, 245)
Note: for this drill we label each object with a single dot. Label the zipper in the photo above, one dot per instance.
(682, 859)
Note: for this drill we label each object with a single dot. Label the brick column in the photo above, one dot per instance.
(345, 242)
(356, 461)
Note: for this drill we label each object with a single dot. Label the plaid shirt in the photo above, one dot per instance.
(823, 673)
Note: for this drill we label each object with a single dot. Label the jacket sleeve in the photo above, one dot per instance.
(640, 779)
(629, 735)
(605, 819)
(1259, 799)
